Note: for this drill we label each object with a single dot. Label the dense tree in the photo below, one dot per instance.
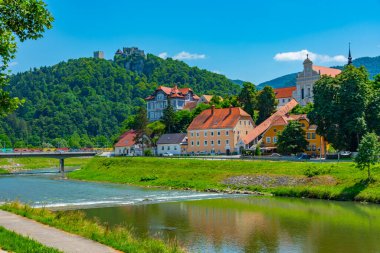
(292, 139)
(19, 21)
(140, 126)
(298, 109)
(369, 152)
(266, 103)
(340, 106)
(248, 98)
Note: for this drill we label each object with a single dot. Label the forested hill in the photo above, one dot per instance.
(372, 64)
(91, 97)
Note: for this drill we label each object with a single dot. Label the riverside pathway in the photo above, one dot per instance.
(49, 236)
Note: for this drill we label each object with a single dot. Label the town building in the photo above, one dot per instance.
(127, 146)
(284, 95)
(99, 55)
(316, 146)
(218, 131)
(158, 101)
(175, 144)
(206, 99)
(306, 79)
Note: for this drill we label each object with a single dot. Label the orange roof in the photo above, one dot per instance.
(327, 71)
(283, 120)
(257, 131)
(207, 98)
(218, 118)
(126, 139)
(286, 92)
(173, 92)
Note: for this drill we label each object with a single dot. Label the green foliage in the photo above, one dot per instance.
(298, 109)
(369, 152)
(266, 103)
(313, 171)
(13, 242)
(169, 118)
(257, 151)
(248, 98)
(148, 152)
(19, 20)
(340, 106)
(292, 139)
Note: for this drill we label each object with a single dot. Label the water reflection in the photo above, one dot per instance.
(255, 224)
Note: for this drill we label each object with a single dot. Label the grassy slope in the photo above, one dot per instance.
(348, 182)
(38, 163)
(13, 242)
(74, 222)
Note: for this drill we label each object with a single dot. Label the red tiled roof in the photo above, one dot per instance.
(173, 92)
(190, 105)
(218, 118)
(327, 71)
(126, 139)
(284, 119)
(257, 131)
(286, 92)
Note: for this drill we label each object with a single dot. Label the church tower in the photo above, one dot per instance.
(349, 54)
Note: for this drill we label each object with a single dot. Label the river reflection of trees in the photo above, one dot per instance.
(256, 224)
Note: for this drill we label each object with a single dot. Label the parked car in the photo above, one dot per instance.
(275, 155)
(303, 156)
(167, 154)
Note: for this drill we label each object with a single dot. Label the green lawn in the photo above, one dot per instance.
(13, 242)
(119, 238)
(12, 164)
(340, 181)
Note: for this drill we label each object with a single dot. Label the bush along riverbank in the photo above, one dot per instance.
(336, 181)
(13, 242)
(75, 222)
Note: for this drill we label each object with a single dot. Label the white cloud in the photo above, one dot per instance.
(301, 55)
(188, 56)
(163, 55)
(12, 64)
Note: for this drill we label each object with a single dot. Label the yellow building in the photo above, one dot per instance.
(316, 145)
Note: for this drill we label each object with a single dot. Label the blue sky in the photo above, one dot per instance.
(242, 39)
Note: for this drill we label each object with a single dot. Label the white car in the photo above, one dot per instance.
(167, 154)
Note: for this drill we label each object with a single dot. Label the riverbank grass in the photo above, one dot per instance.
(13, 242)
(75, 222)
(338, 181)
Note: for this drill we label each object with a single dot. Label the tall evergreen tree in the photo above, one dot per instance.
(169, 118)
(248, 98)
(266, 103)
(140, 126)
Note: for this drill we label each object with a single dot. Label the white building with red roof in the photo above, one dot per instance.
(127, 146)
(284, 95)
(306, 79)
(158, 101)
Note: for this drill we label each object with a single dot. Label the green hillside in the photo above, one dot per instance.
(86, 98)
(372, 64)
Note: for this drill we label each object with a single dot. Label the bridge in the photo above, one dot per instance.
(57, 155)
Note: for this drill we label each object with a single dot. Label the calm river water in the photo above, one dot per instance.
(211, 222)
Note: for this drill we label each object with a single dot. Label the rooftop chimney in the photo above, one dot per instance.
(212, 109)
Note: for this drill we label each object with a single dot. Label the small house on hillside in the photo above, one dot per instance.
(127, 146)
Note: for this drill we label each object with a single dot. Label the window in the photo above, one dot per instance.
(192, 134)
(313, 136)
(197, 143)
(313, 147)
(212, 133)
(240, 122)
(163, 148)
(168, 147)
(175, 147)
(219, 142)
(227, 132)
(275, 139)
(246, 132)
(274, 130)
(212, 143)
(160, 97)
(302, 124)
(308, 136)
(218, 133)
(197, 134)
(205, 133)
(192, 143)
(268, 139)
(227, 142)
(205, 143)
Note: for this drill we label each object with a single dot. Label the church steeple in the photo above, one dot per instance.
(349, 54)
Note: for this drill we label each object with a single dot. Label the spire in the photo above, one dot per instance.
(349, 54)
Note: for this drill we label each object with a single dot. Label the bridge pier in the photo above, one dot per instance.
(62, 166)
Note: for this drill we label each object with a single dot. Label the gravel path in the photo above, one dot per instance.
(49, 236)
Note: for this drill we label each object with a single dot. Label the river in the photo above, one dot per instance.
(204, 222)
